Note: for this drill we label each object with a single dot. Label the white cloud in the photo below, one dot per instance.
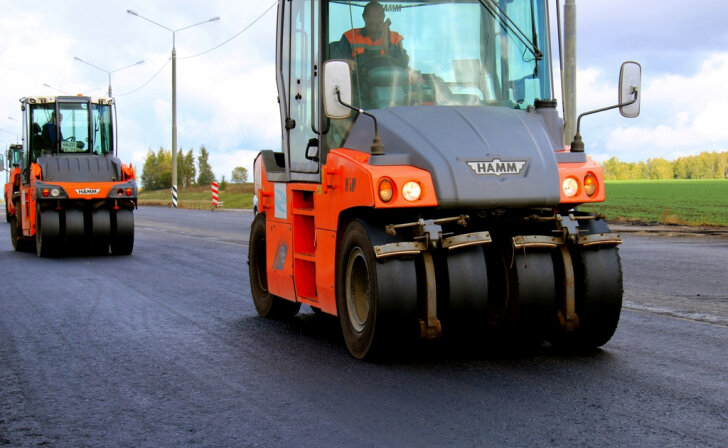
(684, 115)
(227, 97)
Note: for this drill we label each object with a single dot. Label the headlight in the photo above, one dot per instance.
(570, 187)
(411, 191)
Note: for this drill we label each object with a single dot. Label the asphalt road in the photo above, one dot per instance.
(164, 349)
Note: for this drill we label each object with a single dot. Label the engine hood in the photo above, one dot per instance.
(478, 156)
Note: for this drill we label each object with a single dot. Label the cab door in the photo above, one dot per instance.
(298, 89)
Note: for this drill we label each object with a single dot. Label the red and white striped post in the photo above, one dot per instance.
(215, 195)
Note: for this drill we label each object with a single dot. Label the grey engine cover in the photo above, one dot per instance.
(80, 168)
(444, 139)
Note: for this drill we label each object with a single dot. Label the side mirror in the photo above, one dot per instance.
(2, 163)
(630, 80)
(337, 78)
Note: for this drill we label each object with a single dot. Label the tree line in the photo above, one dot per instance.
(157, 170)
(706, 165)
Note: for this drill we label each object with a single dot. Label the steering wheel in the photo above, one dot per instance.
(70, 139)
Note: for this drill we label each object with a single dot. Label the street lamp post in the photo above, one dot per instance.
(107, 71)
(174, 95)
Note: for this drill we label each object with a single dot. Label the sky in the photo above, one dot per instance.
(227, 99)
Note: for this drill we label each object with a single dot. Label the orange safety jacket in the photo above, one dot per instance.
(360, 43)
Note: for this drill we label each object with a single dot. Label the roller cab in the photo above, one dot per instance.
(74, 194)
(424, 189)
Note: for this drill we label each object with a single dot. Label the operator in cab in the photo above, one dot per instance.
(50, 135)
(374, 40)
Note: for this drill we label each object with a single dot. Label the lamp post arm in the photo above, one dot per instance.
(148, 20)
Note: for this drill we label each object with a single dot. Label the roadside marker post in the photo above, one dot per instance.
(215, 195)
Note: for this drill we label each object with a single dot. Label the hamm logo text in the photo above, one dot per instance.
(87, 191)
(496, 167)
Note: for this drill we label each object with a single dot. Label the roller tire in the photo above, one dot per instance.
(13, 221)
(376, 301)
(20, 243)
(266, 304)
(468, 292)
(599, 290)
(532, 304)
(122, 233)
(598, 275)
(74, 224)
(100, 231)
(47, 232)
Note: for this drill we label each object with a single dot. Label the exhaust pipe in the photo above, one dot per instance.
(569, 70)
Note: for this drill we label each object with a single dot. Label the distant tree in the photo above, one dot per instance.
(223, 184)
(659, 168)
(240, 175)
(185, 168)
(157, 171)
(206, 176)
(149, 171)
(190, 170)
(723, 165)
(164, 168)
(706, 165)
(614, 169)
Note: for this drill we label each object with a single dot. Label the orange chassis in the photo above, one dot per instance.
(302, 219)
(79, 191)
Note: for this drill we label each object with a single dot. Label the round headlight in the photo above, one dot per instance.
(411, 191)
(590, 184)
(570, 187)
(386, 190)
(55, 192)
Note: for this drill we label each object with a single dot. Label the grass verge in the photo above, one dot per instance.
(683, 202)
(234, 196)
(688, 202)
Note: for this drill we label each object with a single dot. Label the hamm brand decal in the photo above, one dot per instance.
(496, 167)
(87, 191)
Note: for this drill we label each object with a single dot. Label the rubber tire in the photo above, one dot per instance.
(532, 304)
(20, 243)
(357, 282)
(47, 232)
(468, 292)
(598, 274)
(266, 304)
(122, 232)
(376, 302)
(13, 221)
(100, 231)
(599, 290)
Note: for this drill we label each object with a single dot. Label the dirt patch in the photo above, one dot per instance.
(644, 228)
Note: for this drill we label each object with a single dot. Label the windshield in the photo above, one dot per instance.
(66, 129)
(464, 53)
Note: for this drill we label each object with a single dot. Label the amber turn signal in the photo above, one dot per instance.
(386, 190)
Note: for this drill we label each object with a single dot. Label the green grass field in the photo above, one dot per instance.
(684, 202)
(234, 196)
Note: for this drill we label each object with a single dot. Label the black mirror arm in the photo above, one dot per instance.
(577, 145)
(377, 147)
